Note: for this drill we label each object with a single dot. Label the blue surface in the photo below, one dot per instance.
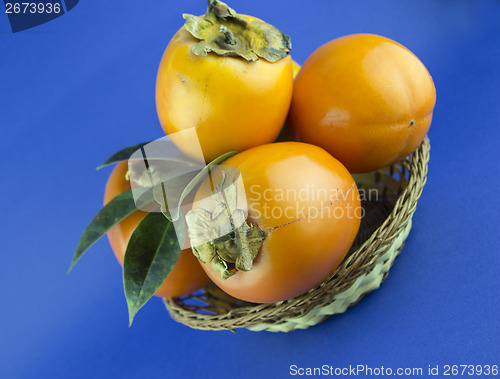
(81, 87)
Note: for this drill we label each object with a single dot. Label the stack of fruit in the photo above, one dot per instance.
(359, 103)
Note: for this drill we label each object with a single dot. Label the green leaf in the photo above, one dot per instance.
(198, 179)
(122, 155)
(126, 154)
(111, 214)
(151, 254)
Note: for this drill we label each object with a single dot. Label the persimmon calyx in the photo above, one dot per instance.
(223, 238)
(223, 32)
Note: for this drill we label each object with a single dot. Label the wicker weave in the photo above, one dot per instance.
(383, 231)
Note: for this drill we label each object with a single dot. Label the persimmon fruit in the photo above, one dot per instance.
(228, 76)
(303, 213)
(365, 99)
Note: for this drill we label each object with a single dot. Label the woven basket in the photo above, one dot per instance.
(383, 231)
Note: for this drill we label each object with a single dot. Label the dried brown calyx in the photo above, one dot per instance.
(223, 32)
(223, 238)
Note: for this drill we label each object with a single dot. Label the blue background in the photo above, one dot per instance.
(81, 87)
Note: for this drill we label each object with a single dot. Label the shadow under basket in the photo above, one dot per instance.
(389, 198)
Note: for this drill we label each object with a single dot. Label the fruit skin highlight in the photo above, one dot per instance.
(308, 206)
(365, 99)
(234, 104)
(186, 276)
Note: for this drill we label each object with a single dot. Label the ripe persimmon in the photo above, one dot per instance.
(365, 99)
(303, 211)
(230, 77)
